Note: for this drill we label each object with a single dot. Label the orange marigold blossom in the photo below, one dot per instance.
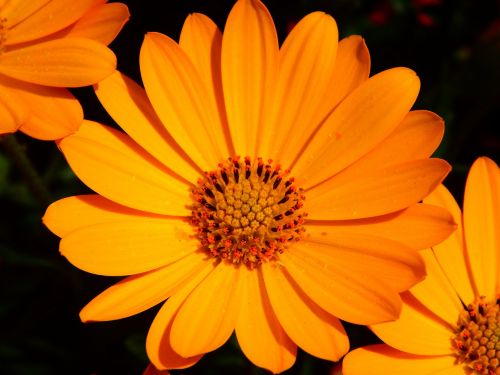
(450, 322)
(45, 47)
(317, 220)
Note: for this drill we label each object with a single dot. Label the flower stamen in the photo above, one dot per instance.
(477, 339)
(246, 212)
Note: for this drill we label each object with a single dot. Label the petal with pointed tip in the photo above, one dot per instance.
(355, 298)
(249, 70)
(258, 331)
(158, 341)
(361, 121)
(416, 137)
(138, 293)
(128, 104)
(178, 94)
(201, 39)
(306, 60)
(386, 190)
(52, 16)
(102, 23)
(418, 226)
(131, 247)
(482, 225)
(308, 325)
(66, 62)
(71, 213)
(206, 319)
(373, 256)
(114, 166)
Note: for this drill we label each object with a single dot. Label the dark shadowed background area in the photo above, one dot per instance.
(453, 45)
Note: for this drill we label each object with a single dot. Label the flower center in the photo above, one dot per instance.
(247, 212)
(477, 340)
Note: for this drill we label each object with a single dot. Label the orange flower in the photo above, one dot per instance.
(46, 45)
(450, 322)
(275, 250)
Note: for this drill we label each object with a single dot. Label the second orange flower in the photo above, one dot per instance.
(46, 46)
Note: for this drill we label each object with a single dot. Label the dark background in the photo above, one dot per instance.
(454, 46)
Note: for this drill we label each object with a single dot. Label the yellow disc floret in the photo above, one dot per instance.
(477, 343)
(246, 212)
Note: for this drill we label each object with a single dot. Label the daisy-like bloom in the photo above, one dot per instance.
(264, 191)
(450, 322)
(46, 46)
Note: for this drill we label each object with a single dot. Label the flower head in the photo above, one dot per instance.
(260, 190)
(450, 322)
(45, 46)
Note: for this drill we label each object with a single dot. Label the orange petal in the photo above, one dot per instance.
(69, 214)
(450, 253)
(308, 325)
(131, 247)
(201, 39)
(306, 60)
(482, 225)
(386, 190)
(355, 298)
(249, 71)
(417, 331)
(55, 15)
(114, 166)
(127, 103)
(351, 69)
(357, 125)
(102, 23)
(377, 359)
(138, 293)
(158, 341)
(67, 62)
(416, 137)
(373, 256)
(436, 292)
(259, 333)
(418, 227)
(54, 112)
(206, 319)
(15, 11)
(455, 370)
(178, 94)
(13, 110)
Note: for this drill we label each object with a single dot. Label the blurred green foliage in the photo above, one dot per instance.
(454, 46)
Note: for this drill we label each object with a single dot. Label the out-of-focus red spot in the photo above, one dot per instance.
(378, 17)
(492, 31)
(427, 3)
(424, 19)
(381, 13)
